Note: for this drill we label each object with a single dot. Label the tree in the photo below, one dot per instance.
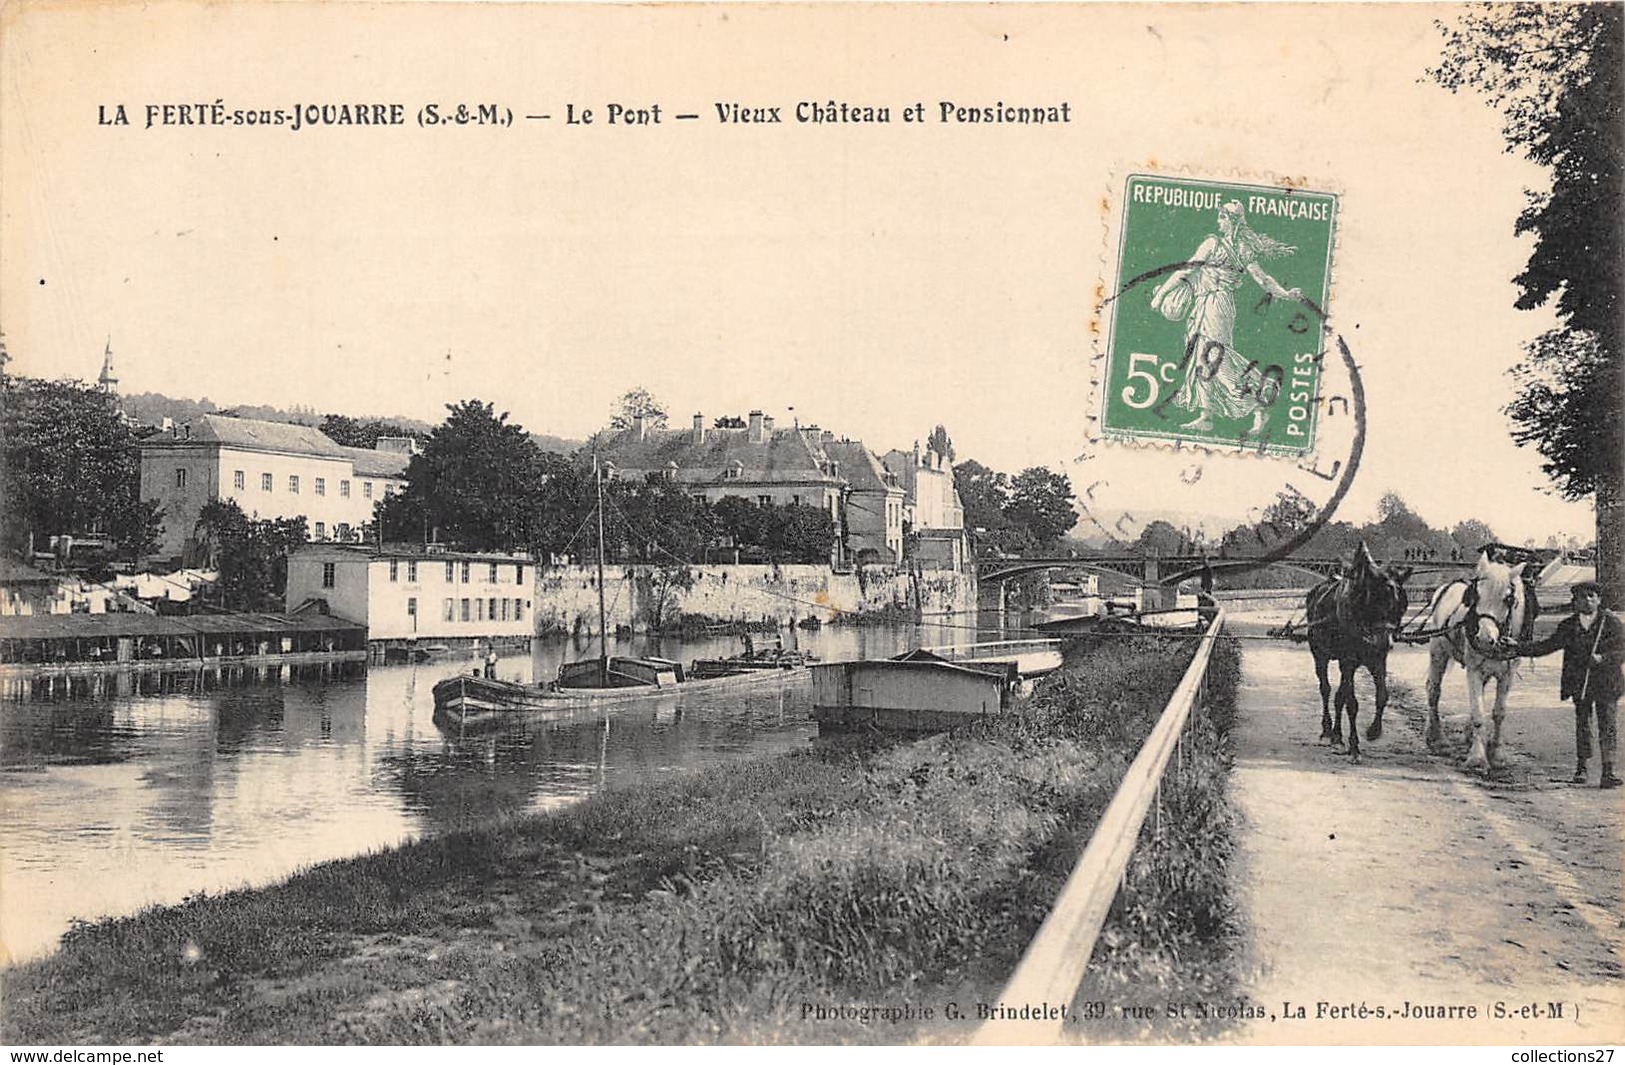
(1399, 531)
(800, 533)
(940, 442)
(478, 483)
(741, 520)
(1162, 539)
(635, 402)
(70, 464)
(984, 493)
(663, 522)
(1554, 72)
(250, 555)
(1041, 505)
(349, 432)
(1470, 534)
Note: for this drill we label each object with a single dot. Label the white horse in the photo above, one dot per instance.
(1472, 617)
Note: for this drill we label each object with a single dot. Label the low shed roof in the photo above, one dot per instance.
(110, 626)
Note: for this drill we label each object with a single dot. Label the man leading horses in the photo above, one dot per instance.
(1593, 644)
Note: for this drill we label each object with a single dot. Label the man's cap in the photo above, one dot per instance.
(1586, 588)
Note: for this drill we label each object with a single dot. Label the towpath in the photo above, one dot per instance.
(1490, 912)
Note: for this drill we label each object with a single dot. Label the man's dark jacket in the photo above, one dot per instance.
(1576, 644)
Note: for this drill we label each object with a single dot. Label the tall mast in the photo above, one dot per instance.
(603, 624)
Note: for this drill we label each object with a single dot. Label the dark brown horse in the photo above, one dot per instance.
(1352, 617)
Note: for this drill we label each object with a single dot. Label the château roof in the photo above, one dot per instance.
(860, 467)
(252, 434)
(782, 456)
(370, 463)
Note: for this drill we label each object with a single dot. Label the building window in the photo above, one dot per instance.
(451, 610)
(479, 610)
(449, 577)
(518, 610)
(412, 606)
(321, 486)
(328, 574)
(366, 489)
(344, 489)
(765, 501)
(491, 610)
(265, 482)
(493, 573)
(519, 574)
(412, 572)
(394, 569)
(341, 531)
(465, 572)
(465, 609)
(293, 484)
(238, 479)
(180, 477)
(321, 530)
(796, 498)
(504, 610)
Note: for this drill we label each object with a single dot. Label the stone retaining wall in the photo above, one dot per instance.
(645, 597)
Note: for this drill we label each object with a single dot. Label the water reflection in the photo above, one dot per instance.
(120, 791)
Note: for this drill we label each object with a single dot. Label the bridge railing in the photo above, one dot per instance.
(1055, 960)
(994, 648)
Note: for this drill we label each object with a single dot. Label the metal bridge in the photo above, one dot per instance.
(1168, 570)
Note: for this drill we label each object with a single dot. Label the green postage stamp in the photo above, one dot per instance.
(1216, 334)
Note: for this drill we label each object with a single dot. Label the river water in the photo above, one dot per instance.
(117, 793)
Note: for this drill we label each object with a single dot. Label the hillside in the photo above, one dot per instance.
(151, 408)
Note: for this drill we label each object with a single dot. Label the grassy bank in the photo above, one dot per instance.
(763, 902)
(1166, 965)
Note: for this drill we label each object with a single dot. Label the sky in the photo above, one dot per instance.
(873, 279)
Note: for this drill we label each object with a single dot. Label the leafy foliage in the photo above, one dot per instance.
(1554, 73)
(70, 465)
(1041, 505)
(251, 555)
(638, 401)
(1032, 510)
(350, 432)
(941, 443)
(476, 483)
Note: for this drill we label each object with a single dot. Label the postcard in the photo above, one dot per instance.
(806, 524)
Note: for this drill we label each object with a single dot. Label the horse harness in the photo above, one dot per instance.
(1470, 621)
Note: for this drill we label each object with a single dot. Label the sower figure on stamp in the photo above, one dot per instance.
(1218, 379)
(1593, 644)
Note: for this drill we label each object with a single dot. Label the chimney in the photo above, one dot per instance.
(698, 435)
(767, 427)
(755, 427)
(827, 438)
(640, 426)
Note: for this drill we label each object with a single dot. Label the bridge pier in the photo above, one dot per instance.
(1153, 596)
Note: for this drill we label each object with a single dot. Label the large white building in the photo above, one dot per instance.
(932, 507)
(406, 593)
(271, 470)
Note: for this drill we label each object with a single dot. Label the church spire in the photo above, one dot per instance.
(108, 380)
